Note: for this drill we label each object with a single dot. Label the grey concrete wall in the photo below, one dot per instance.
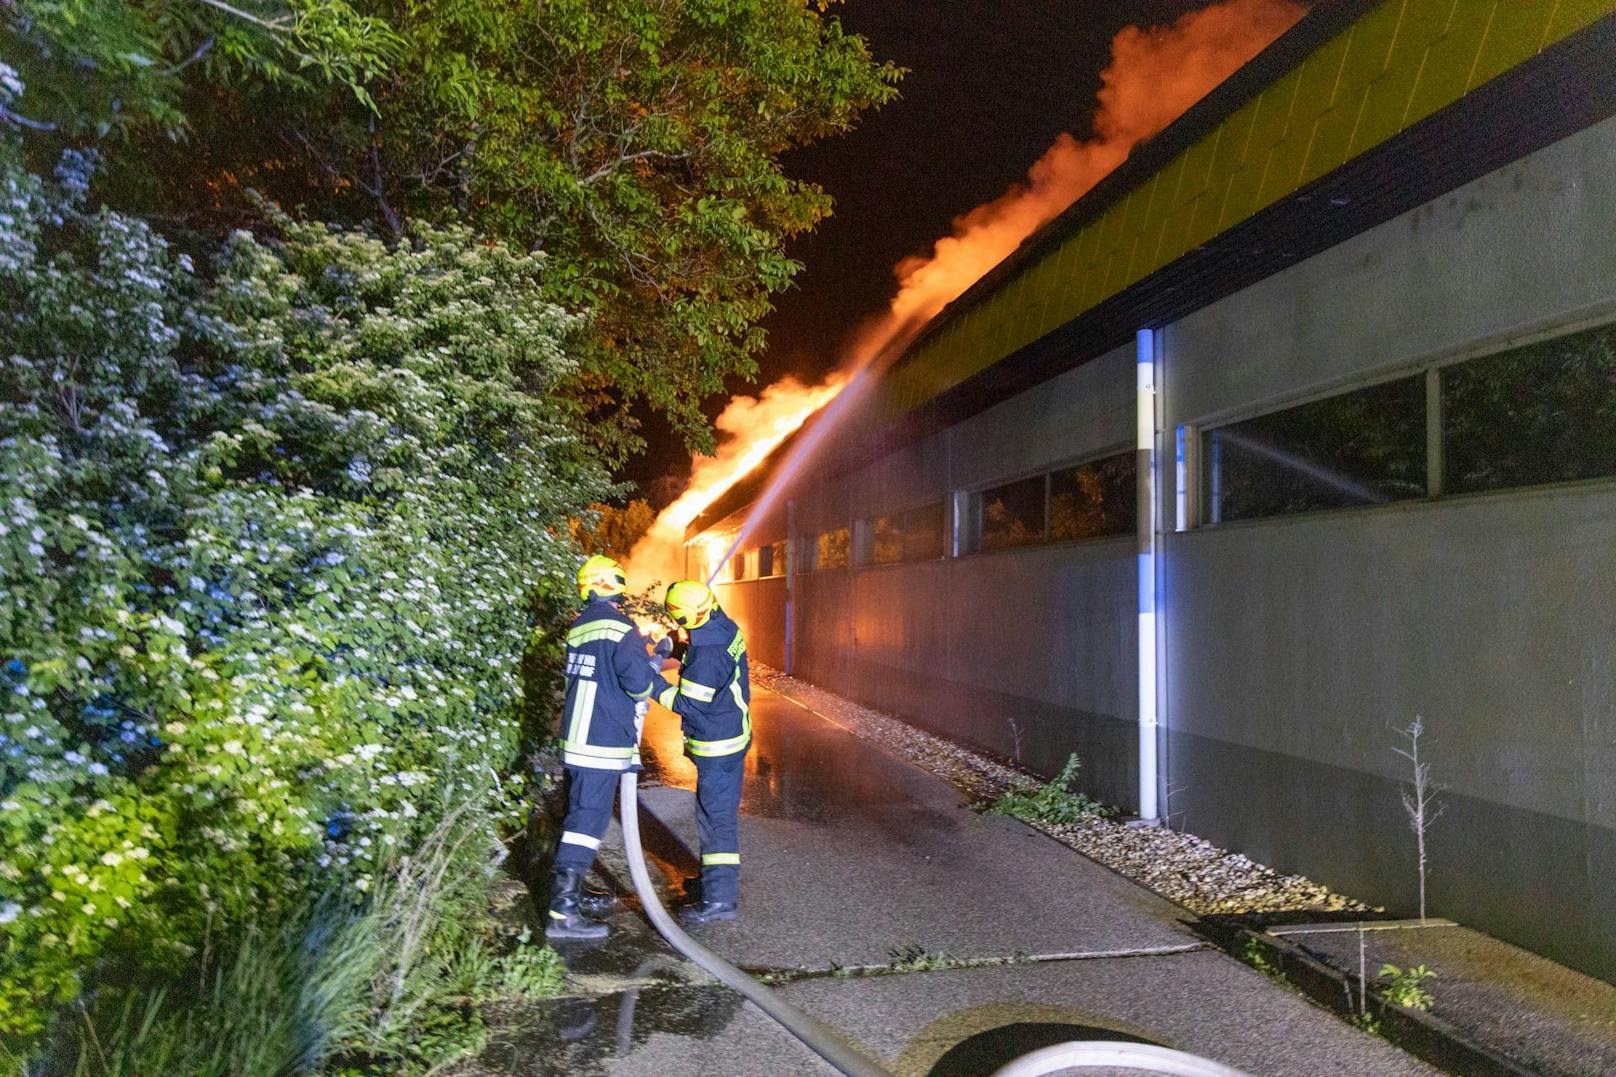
(1030, 650)
(1523, 249)
(759, 607)
(1295, 646)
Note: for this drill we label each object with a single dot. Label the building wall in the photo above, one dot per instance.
(1029, 650)
(1296, 646)
(759, 605)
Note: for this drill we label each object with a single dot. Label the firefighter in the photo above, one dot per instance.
(713, 699)
(609, 681)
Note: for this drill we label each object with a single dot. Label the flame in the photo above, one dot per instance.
(651, 628)
(1153, 77)
(755, 426)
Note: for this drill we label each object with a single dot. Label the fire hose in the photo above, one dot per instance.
(829, 1044)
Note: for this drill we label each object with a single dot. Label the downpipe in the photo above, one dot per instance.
(828, 1043)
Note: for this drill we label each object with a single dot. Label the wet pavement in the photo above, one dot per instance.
(942, 941)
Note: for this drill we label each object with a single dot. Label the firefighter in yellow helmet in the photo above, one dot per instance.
(713, 699)
(609, 681)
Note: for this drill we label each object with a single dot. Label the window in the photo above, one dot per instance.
(1365, 447)
(925, 532)
(1011, 515)
(828, 550)
(885, 541)
(744, 566)
(772, 559)
(1089, 500)
(915, 535)
(1094, 499)
(1542, 413)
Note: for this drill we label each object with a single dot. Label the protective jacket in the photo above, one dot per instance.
(608, 673)
(713, 697)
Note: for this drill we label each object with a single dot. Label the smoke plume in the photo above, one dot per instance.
(1154, 75)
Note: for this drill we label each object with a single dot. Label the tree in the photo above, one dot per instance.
(614, 530)
(96, 68)
(638, 144)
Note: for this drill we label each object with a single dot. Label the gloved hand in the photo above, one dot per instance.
(664, 647)
(640, 710)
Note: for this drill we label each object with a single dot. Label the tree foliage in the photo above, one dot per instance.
(270, 532)
(101, 67)
(613, 530)
(639, 144)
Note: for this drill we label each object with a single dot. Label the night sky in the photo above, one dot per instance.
(991, 83)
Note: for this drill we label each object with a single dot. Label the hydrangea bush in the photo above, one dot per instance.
(271, 525)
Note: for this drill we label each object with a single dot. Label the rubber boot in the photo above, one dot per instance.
(567, 920)
(706, 912)
(595, 902)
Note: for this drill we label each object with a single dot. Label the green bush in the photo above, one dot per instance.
(271, 525)
(1053, 802)
(1406, 987)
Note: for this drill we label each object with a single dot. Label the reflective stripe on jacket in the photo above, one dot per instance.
(608, 672)
(713, 697)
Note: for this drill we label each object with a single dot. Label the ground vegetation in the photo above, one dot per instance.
(277, 529)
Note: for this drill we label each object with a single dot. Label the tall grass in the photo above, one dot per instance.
(390, 985)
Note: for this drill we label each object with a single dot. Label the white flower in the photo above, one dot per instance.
(111, 859)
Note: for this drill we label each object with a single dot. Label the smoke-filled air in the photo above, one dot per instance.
(1153, 77)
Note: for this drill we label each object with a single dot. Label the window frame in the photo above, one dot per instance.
(1197, 488)
(809, 551)
(862, 551)
(968, 502)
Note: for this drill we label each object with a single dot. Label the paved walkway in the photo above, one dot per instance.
(943, 941)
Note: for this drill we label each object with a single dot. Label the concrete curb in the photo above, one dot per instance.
(1421, 1034)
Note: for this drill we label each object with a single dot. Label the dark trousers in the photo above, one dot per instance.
(718, 803)
(589, 813)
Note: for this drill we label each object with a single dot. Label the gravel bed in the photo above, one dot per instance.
(1181, 867)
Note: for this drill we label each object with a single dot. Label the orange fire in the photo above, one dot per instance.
(1153, 77)
(754, 427)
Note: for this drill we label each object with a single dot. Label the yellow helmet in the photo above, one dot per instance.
(690, 604)
(601, 577)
